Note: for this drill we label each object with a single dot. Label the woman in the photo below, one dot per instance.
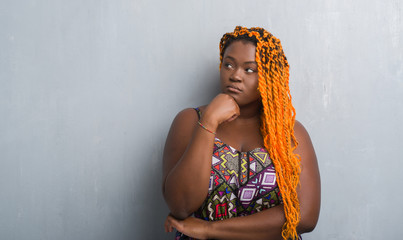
(242, 159)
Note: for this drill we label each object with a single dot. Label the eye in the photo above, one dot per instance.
(228, 65)
(250, 70)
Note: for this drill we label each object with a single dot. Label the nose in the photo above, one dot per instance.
(236, 75)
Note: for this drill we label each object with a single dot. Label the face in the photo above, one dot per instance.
(238, 74)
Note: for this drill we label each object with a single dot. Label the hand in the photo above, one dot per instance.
(191, 226)
(222, 108)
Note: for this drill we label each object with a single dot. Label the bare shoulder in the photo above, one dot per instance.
(187, 115)
(184, 119)
(305, 147)
(181, 129)
(300, 132)
(302, 136)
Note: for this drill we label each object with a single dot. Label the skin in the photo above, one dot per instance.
(234, 115)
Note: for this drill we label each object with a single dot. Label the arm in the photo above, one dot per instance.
(187, 155)
(263, 225)
(186, 164)
(268, 223)
(309, 189)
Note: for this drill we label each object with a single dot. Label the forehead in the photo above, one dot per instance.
(242, 50)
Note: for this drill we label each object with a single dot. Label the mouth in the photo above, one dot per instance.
(233, 89)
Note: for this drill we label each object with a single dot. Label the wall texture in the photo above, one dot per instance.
(89, 89)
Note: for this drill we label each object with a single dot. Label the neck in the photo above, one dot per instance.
(250, 111)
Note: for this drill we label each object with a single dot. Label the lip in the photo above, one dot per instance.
(233, 89)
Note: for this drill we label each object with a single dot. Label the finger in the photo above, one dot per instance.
(174, 223)
(169, 227)
(232, 118)
(237, 110)
(166, 225)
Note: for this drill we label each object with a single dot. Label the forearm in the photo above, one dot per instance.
(266, 224)
(186, 185)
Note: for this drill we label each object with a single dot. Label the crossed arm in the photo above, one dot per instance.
(186, 173)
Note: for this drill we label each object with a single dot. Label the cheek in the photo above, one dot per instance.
(254, 84)
(222, 80)
(223, 76)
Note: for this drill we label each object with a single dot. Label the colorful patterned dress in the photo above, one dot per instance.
(241, 183)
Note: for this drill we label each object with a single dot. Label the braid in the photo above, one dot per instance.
(277, 117)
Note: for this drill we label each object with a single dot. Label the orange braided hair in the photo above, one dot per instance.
(277, 117)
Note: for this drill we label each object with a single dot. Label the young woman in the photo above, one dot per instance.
(243, 159)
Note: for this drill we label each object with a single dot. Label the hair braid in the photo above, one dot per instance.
(277, 117)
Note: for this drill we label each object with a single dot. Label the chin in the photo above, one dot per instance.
(235, 96)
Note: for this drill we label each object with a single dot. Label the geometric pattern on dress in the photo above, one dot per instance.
(241, 183)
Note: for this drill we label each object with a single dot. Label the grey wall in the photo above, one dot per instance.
(89, 89)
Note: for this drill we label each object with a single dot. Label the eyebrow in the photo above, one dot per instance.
(249, 62)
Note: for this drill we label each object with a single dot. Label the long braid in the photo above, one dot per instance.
(277, 117)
